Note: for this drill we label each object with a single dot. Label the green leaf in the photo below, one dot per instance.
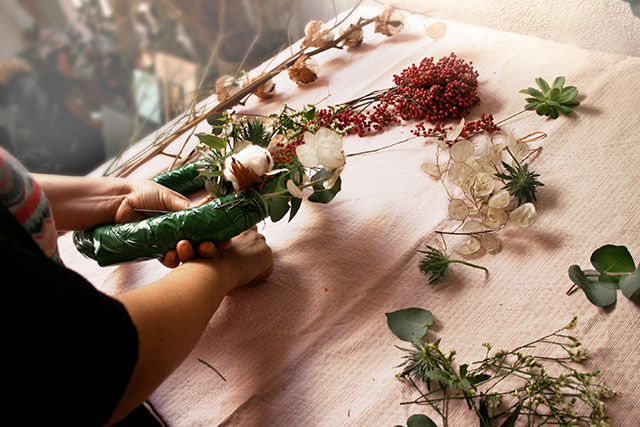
(535, 92)
(542, 109)
(568, 94)
(558, 82)
(212, 141)
(419, 420)
(543, 85)
(463, 370)
(478, 379)
(630, 284)
(512, 418)
(612, 259)
(553, 113)
(531, 106)
(599, 293)
(564, 109)
(321, 194)
(554, 93)
(295, 207)
(483, 414)
(409, 324)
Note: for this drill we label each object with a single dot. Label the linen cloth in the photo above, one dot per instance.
(311, 345)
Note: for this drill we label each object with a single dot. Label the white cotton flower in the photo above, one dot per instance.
(252, 157)
(322, 148)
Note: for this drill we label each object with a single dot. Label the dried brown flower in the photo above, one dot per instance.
(304, 70)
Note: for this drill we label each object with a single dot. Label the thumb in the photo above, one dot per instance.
(176, 202)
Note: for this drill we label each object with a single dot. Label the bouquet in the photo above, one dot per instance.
(253, 168)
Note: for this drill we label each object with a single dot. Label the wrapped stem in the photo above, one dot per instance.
(215, 221)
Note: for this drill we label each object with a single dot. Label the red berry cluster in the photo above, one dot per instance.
(485, 123)
(285, 153)
(434, 91)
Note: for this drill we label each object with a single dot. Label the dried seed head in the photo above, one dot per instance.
(226, 86)
(388, 23)
(304, 70)
(316, 35)
(354, 37)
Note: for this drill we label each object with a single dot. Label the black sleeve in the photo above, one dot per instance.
(69, 349)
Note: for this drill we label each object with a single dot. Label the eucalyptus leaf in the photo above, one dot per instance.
(419, 420)
(295, 207)
(612, 259)
(599, 293)
(212, 141)
(409, 324)
(321, 194)
(629, 285)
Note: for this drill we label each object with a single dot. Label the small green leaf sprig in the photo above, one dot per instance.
(435, 264)
(551, 100)
(615, 270)
(550, 389)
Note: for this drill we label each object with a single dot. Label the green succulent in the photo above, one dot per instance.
(551, 100)
(520, 182)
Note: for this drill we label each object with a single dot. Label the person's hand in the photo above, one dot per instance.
(247, 260)
(184, 252)
(146, 194)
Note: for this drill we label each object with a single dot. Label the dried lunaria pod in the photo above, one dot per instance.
(437, 30)
(304, 70)
(472, 226)
(470, 246)
(294, 189)
(354, 36)
(500, 200)
(458, 209)
(316, 35)
(461, 150)
(483, 185)
(389, 22)
(459, 171)
(432, 169)
(226, 86)
(495, 218)
(490, 242)
(456, 131)
(524, 215)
